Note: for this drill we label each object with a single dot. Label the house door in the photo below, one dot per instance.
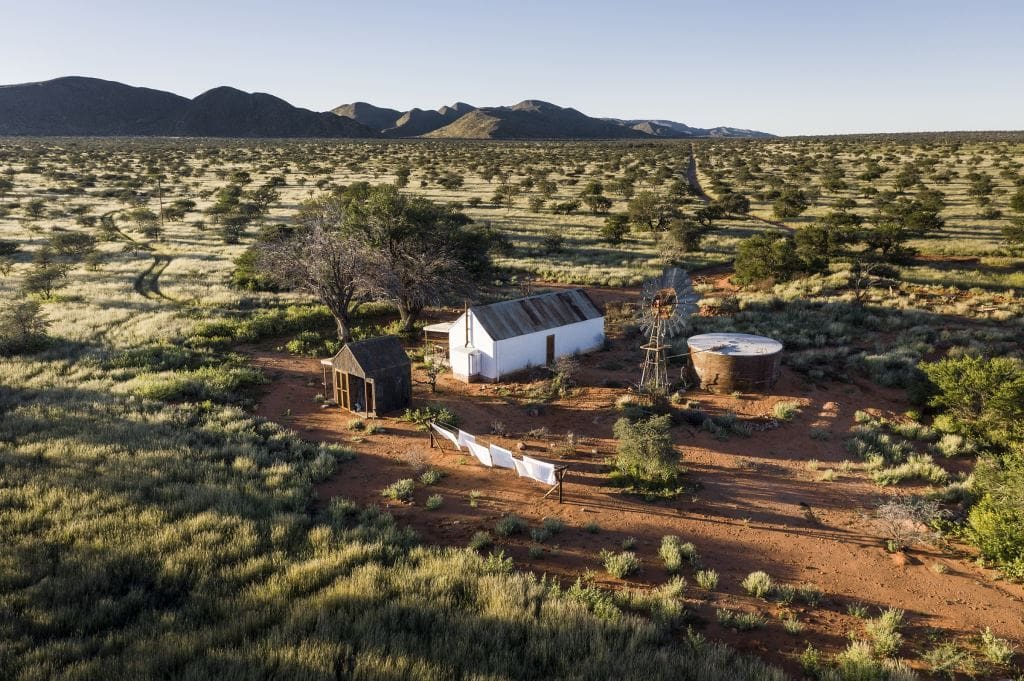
(551, 349)
(371, 405)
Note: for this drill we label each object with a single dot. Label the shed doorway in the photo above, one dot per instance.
(354, 393)
(551, 349)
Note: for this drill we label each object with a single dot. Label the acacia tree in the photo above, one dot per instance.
(322, 257)
(422, 252)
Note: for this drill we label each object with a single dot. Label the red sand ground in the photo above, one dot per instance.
(746, 515)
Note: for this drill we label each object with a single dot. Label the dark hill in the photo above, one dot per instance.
(90, 106)
(373, 117)
(227, 112)
(86, 106)
(533, 119)
(418, 122)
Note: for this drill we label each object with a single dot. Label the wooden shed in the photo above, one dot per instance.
(371, 377)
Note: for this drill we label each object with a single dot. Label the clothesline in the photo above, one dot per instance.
(494, 456)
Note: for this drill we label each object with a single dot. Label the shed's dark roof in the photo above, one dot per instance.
(511, 318)
(372, 354)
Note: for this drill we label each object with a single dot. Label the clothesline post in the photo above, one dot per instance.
(560, 472)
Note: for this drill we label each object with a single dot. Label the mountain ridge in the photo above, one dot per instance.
(533, 119)
(84, 106)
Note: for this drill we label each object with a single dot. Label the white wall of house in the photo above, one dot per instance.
(478, 340)
(501, 358)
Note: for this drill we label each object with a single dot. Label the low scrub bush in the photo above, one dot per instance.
(706, 579)
(480, 540)
(740, 621)
(620, 565)
(400, 490)
(917, 467)
(758, 584)
(434, 502)
(509, 525)
(883, 633)
(786, 411)
(674, 552)
(431, 476)
(949, 659)
(995, 650)
(597, 601)
(424, 416)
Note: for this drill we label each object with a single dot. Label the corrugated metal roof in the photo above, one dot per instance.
(373, 354)
(511, 318)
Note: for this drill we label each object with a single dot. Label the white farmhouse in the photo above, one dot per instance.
(491, 341)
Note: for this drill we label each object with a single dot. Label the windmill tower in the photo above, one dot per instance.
(665, 304)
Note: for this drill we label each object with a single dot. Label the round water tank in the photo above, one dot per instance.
(726, 362)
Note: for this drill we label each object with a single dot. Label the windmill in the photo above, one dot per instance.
(665, 304)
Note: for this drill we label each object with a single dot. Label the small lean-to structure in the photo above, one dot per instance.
(370, 377)
(489, 342)
(726, 362)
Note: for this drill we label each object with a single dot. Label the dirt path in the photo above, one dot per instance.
(756, 504)
(693, 181)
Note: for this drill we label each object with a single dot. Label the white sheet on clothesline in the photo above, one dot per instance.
(480, 452)
(501, 457)
(521, 468)
(540, 471)
(446, 434)
(465, 438)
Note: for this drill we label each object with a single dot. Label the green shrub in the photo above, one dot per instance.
(792, 625)
(858, 663)
(949, 659)
(597, 601)
(539, 535)
(785, 411)
(434, 502)
(553, 525)
(425, 415)
(706, 579)
(645, 457)
(740, 621)
(509, 525)
(313, 344)
(757, 584)
(480, 540)
(431, 476)
(620, 565)
(995, 650)
(883, 632)
(401, 490)
(984, 397)
(673, 552)
(917, 467)
(498, 564)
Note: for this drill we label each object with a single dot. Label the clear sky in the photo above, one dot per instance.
(797, 67)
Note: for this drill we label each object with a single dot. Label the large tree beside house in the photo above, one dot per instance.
(368, 242)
